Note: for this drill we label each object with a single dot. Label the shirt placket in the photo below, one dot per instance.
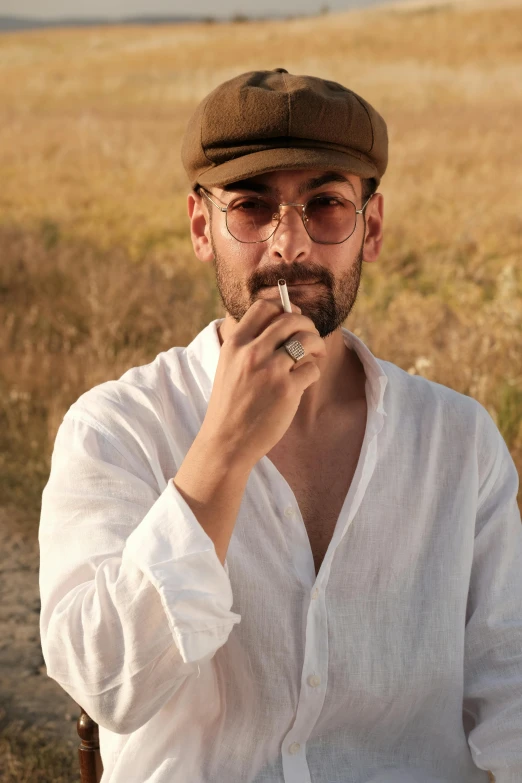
(314, 675)
(313, 689)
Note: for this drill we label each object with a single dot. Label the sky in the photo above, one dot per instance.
(53, 9)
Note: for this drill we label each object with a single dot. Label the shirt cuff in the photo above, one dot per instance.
(171, 548)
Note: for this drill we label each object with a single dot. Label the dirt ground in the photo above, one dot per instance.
(28, 697)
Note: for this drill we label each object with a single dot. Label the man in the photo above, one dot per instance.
(270, 556)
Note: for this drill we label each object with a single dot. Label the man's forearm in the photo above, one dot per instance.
(212, 483)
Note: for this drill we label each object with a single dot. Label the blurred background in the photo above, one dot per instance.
(97, 271)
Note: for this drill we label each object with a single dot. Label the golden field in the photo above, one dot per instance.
(97, 271)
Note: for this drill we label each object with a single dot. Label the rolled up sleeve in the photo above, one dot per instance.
(133, 595)
(171, 548)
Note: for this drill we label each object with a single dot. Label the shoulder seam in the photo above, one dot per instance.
(496, 464)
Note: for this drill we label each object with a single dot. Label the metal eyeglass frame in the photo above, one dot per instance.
(289, 204)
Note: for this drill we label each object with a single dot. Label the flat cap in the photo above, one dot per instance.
(261, 121)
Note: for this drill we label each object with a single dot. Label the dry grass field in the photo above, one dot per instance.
(97, 272)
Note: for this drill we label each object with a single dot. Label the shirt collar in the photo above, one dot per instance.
(205, 347)
(375, 375)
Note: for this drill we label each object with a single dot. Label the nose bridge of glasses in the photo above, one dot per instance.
(279, 214)
(277, 217)
(283, 230)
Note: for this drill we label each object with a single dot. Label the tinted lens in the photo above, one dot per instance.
(330, 218)
(251, 219)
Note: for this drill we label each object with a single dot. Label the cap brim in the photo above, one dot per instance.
(286, 158)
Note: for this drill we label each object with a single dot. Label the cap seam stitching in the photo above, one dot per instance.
(352, 150)
(289, 106)
(369, 119)
(201, 134)
(355, 153)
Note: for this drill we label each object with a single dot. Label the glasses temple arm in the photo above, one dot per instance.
(222, 209)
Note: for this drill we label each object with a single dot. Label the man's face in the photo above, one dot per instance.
(246, 272)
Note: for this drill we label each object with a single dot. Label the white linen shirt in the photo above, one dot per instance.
(400, 663)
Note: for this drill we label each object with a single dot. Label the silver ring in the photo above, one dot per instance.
(295, 350)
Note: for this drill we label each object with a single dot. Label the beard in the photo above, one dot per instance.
(327, 304)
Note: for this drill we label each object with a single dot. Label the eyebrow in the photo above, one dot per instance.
(305, 187)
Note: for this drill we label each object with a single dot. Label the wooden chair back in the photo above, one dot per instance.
(91, 767)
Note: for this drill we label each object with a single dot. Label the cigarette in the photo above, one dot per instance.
(283, 290)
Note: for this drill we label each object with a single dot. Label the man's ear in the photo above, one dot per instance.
(199, 227)
(374, 228)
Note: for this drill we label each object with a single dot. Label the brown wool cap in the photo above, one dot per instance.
(266, 120)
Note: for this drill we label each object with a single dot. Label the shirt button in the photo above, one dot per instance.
(294, 748)
(315, 593)
(289, 512)
(314, 680)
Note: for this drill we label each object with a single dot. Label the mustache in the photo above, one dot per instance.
(290, 280)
